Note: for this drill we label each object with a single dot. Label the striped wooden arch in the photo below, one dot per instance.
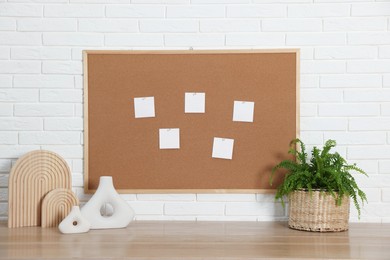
(31, 178)
(56, 205)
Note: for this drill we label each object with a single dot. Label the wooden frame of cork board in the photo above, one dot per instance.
(118, 144)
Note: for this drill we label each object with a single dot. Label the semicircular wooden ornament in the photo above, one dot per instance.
(56, 205)
(31, 178)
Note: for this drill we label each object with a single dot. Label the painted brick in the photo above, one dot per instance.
(79, 110)
(106, 25)
(291, 25)
(16, 151)
(256, 11)
(308, 109)
(323, 124)
(44, 81)
(43, 110)
(384, 167)
(369, 152)
(384, 52)
(368, 66)
(74, 10)
(254, 209)
(28, 67)
(386, 195)
(47, 25)
(49, 138)
(194, 40)
(369, 38)
(346, 52)
(372, 95)
(4, 53)
(164, 218)
(196, 11)
(321, 95)
(316, 39)
(264, 197)
(6, 109)
(135, 11)
(63, 124)
(39, 53)
(53, 95)
(386, 80)
(306, 53)
(66, 151)
(62, 67)
(73, 39)
(101, 1)
(5, 81)
(166, 197)
(3, 180)
(77, 166)
(312, 138)
(7, 24)
(145, 40)
(236, 25)
(19, 38)
(225, 197)
(249, 39)
(355, 24)
(369, 166)
(20, 123)
(168, 26)
(8, 138)
(309, 81)
(373, 180)
(385, 109)
(3, 194)
(322, 67)
(194, 208)
(147, 208)
(351, 81)
(78, 81)
(21, 10)
(18, 95)
(3, 208)
(370, 9)
(319, 10)
(77, 178)
(172, 2)
(220, 1)
(5, 165)
(369, 124)
(359, 138)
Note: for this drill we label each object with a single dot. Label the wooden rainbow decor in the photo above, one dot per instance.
(56, 205)
(31, 178)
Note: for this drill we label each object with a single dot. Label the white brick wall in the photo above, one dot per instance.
(345, 82)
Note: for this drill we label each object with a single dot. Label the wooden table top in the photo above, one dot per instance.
(197, 240)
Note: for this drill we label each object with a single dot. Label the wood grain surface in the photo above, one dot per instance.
(197, 240)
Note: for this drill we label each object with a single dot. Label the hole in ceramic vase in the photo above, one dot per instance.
(106, 210)
(74, 223)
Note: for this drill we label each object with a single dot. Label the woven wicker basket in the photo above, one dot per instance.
(317, 212)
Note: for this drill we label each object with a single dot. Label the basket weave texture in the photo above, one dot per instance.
(317, 211)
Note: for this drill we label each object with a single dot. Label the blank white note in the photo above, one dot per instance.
(243, 111)
(144, 107)
(195, 102)
(169, 138)
(223, 148)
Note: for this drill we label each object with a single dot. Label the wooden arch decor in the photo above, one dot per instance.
(31, 178)
(56, 205)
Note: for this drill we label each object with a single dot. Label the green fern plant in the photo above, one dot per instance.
(325, 171)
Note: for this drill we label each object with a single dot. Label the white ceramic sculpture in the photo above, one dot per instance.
(106, 196)
(74, 222)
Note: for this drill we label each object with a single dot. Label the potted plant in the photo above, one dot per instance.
(318, 188)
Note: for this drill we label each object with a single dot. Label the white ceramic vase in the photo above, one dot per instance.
(106, 196)
(74, 223)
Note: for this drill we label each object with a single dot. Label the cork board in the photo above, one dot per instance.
(118, 144)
